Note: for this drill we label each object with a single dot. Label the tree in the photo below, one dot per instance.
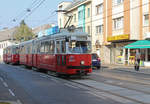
(23, 33)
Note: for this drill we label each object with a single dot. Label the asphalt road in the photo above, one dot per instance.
(30, 87)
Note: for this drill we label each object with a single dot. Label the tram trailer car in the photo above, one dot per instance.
(25, 53)
(11, 55)
(66, 53)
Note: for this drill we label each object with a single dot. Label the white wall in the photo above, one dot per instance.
(134, 20)
(97, 20)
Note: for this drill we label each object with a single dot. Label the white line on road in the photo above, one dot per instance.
(19, 102)
(69, 85)
(44, 76)
(5, 84)
(1, 79)
(100, 96)
(11, 92)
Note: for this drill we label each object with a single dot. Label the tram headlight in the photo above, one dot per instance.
(82, 62)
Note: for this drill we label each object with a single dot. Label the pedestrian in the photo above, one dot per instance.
(137, 60)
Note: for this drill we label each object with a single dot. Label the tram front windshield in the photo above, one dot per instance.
(80, 47)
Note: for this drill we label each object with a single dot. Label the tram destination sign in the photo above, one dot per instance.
(80, 38)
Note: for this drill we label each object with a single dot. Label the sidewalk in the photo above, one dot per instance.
(143, 70)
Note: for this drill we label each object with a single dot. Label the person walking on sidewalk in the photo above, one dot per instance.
(137, 60)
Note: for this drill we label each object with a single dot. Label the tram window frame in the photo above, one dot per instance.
(28, 49)
(38, 48)
(42, 48)
(63, 60)
(58, 48)
(46, 46)
(35, 48)
(63, 47)
(51, 46)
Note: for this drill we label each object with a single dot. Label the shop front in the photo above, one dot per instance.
(144, 47)
(117, 50)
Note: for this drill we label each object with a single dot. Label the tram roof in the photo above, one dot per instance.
(65, 33)
(12, 46)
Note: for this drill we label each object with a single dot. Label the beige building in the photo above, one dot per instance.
(112, 24)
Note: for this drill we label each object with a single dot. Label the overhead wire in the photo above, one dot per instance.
(33, 9)
(28, 9)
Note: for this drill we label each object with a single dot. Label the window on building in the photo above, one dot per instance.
(117, 2)
(99, 29)
(74, 17)
(99, 8)
(118, 23)
(60, 7)
(146, 19)
(88, 29)
(88, 12)
(80, 15)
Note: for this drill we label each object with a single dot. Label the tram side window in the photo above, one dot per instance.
(58, 46)
(63, 46)
(28, 49)
(42, 48)
(46, 47)
(38, 48)
(52, 45)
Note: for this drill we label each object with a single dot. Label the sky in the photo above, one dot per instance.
(17, 9)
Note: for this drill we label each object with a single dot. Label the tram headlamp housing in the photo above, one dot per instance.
(82, 62)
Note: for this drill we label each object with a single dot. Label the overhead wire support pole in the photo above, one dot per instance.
(69, 19)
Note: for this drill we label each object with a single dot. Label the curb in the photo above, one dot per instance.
(127, 69)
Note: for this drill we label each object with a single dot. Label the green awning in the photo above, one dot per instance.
(139, 44)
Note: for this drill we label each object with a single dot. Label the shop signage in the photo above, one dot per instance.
(118, 37)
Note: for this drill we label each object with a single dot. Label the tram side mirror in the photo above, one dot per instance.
(67, 39)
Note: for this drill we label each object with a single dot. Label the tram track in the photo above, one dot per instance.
(131, 79)
(74, 83)
(96, 90)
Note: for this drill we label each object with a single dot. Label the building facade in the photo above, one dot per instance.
(112, 24)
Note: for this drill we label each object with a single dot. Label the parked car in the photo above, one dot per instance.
(96, 62)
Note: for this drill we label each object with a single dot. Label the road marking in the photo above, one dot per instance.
(1, 79)
(55, 80)
(44, 76)
(5, 84)
(99, 96)
(11, 92)
(19, 102)
(69, 85)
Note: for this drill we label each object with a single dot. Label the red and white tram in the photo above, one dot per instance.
(64, 53)
(11, 54)
(67, 52)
